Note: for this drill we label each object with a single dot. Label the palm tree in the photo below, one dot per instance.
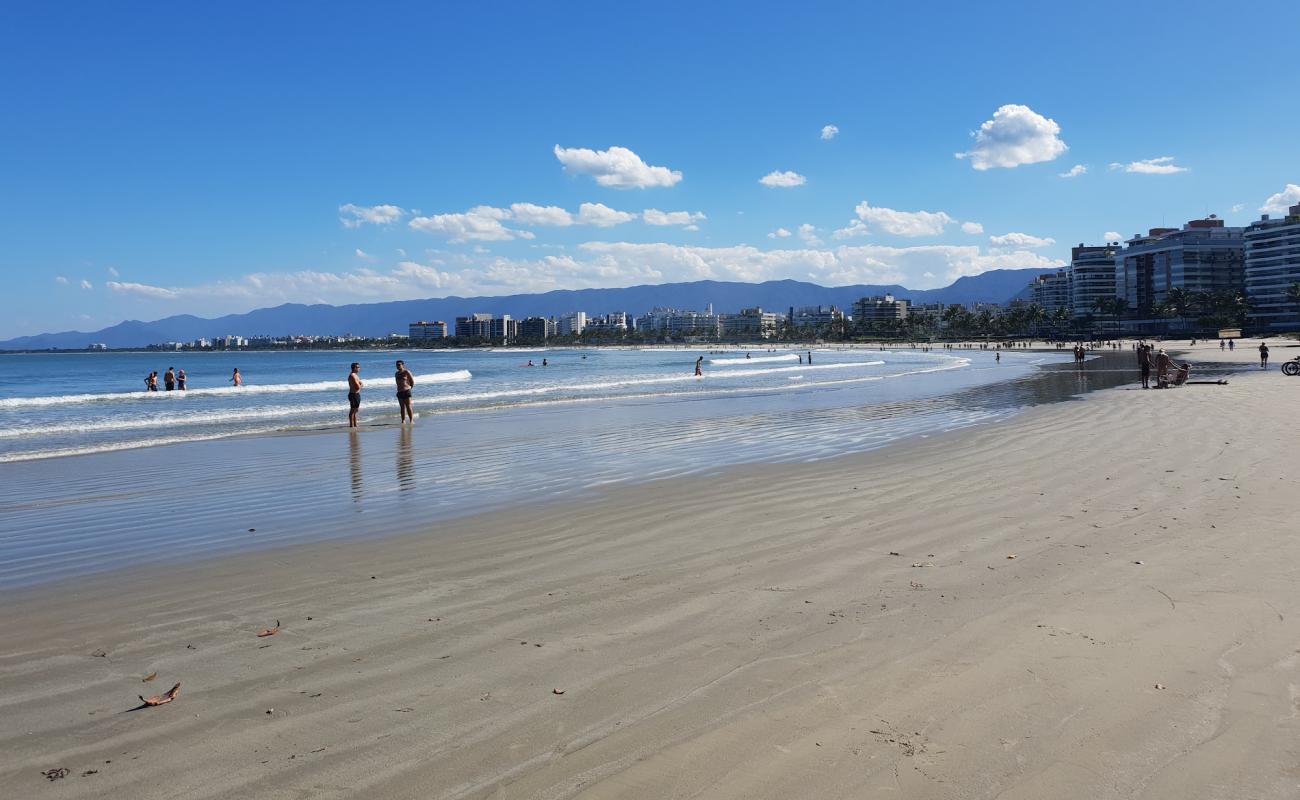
(1293, 295)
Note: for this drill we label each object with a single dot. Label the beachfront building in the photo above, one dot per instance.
(426, 331)
(536, 329)
(750, 323)
(674, 322)
(1051, 292)
(572, 324)
(1202, 256)
(883, 309)
(504, 329)
(1092, 277)
(475, 326)
(1272, 268)
(613, 322)
(818, 317)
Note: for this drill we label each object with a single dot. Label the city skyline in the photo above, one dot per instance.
(171, 169)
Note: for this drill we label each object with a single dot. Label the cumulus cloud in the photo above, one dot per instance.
(114, 273)
(808, 233)
(59, 279)
(782, 180)
(1112, 236)
(780, 233)
(1281, 202)
(1237, 208)
(602, 216)
(1074, 172)
(479, 224)
(1164, 165)
(530, 214)
(829, 132)
(353, 216)
(85, 284)
(654, 216)
(364, 256)
(897, 223)
(1021, 240)
(1015, 135)
(617, 168)
(973, 228)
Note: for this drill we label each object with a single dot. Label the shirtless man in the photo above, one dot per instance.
(169, 379)
(354, 394)
(405, 382)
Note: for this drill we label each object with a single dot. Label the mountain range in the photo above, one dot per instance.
(380, 319)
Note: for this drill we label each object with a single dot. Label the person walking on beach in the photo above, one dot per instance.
(169, 379)
(1232, 345)
(1144, 364)
(237, 379)
(1263, 356)
(180, 380)
(699, 366)
(354, 394)
(1222, 344)
(810, 358)
(405, 382)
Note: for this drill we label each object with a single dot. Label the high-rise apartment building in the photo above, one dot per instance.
(1272, 267)
(1202, 256)
(424, 331)
(1092, 277)
(1051, 292)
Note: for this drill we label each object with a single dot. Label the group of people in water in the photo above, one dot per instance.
(176, 380)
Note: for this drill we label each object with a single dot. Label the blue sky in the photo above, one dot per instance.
(158, 159)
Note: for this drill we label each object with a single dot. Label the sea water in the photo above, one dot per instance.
(99, 473)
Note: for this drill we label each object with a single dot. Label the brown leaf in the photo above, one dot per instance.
(149, 677)
(162, 700)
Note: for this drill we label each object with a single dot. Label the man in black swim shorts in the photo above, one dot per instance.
(405, 382)
(354, 394)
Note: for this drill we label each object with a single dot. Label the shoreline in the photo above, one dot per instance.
(748, 635)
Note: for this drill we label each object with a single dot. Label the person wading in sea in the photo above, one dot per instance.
(699, 368)
(354, 394)
(405, 382)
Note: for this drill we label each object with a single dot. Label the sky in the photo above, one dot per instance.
(176, 158)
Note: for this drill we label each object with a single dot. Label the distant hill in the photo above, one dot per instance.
(380, 319)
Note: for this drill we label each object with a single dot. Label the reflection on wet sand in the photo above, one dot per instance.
(405, 460)
(354, 458)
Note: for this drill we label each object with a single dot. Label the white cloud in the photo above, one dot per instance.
(1163, 165)
(364, 256)
(59, 279)
(353, 216)
(85, 284)
(973, 228)
(654, 216)
(1237, 208)
(829, 132)
(780, 233)
(602, 216)
(808, 233)
(144, 290)
(1281, 202)
(1075, 171)
(530, 214)
(897, 223)
(114, 273)
(617, 168)
(782, 180)
(1112, 236)
(481, 223)
(1021, 240)
(1016, 135)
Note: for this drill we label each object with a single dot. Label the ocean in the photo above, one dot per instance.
(100, 473)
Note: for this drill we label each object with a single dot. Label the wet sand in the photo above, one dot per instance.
(746, 635)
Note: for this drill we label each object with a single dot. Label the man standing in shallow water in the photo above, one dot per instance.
(405, 382)
(354, 394)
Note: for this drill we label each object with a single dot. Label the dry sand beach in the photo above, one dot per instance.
(1095, 599)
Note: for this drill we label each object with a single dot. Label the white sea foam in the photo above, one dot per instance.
(246, 389)
(732, 362)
